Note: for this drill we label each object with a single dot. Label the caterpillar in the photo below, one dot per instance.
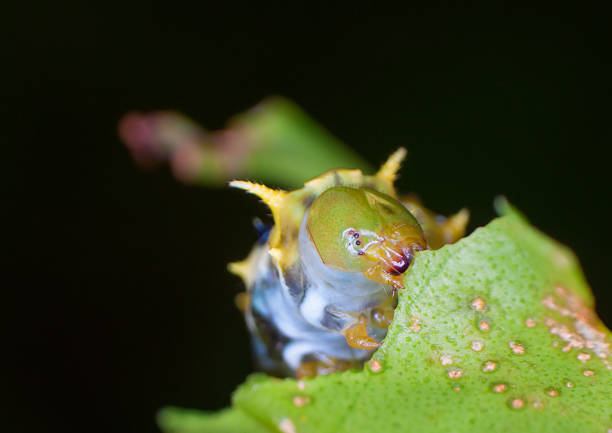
(321, 284)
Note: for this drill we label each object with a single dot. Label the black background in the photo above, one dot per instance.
(118, 298)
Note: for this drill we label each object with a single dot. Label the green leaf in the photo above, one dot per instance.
(175, 420)
(495, 333)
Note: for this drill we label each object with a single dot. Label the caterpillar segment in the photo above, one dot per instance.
(322, 283)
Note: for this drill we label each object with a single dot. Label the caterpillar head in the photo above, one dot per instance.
(359, 229)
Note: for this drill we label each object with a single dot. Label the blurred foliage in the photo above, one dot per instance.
(275, 142)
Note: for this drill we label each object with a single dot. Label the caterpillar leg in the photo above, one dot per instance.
(382, 316)
(357, 335)
(379, 274)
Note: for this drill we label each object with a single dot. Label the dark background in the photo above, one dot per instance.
(118, 298)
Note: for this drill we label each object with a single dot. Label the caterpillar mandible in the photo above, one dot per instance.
(321, 285)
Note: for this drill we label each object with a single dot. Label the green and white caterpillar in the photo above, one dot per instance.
(321, 285)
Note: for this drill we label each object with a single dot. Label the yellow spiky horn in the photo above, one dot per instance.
(240, 269)
(454, 226)
(388, 171)
(272, 197)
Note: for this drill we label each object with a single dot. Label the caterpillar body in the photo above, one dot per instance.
(321, 285)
